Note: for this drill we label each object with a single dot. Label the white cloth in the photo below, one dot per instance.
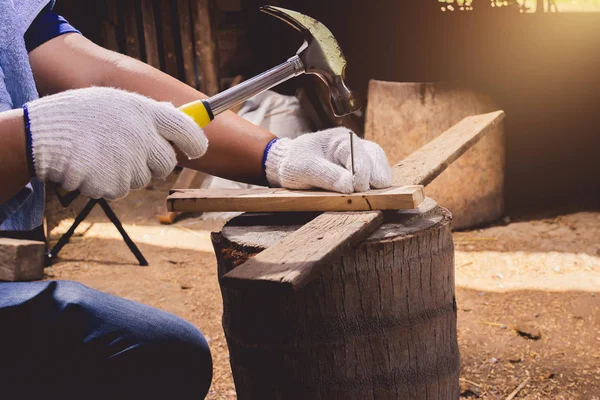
(281, 115)
(323, 160)
(105, 142)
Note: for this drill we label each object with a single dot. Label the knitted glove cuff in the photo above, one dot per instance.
(52, 144)
(28, 146)
(51, 148)
(274, 156)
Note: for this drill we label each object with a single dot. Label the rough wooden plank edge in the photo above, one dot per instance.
(427, 163)
(185, 180)
(304, 251)
(282, 200)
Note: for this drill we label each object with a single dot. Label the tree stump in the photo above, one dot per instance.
(403, 117)
(379, 323)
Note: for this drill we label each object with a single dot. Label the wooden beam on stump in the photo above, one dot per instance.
(419, 168)
(378, 323)
(374, 320)
(425, 164)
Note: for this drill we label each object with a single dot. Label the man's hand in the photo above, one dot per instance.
(104, 142)
(323, 160)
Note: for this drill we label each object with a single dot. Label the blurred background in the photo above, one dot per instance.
(538, 60)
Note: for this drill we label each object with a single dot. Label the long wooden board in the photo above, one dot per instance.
(427, 163)
(185, 180)
(274, 200)
(272, 264)
(295, 263)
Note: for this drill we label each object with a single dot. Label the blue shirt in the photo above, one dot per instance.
(24, 210)
(45, 27)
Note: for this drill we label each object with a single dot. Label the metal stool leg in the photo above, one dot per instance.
(132, 246)
(51, 256)
(67, 236)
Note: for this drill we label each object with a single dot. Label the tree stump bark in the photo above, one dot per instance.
(380, 323)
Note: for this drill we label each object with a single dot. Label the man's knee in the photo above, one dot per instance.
(172, 359)
(138, 341)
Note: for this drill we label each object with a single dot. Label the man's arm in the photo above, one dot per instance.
(14, 172)
(71, 61)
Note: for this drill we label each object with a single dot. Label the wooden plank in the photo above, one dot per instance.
(206, 51)
(21, 260)
(187, 44)
(185, 180)
(296, 261)
(278, 200)
(165, 11)
(109, 30)
(425, 164)
(421, 167)
(150, 35)
(456, 141)
(132, 39)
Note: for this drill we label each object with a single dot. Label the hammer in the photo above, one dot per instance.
(319, 55)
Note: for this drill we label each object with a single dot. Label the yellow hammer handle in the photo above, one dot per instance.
(200, 112)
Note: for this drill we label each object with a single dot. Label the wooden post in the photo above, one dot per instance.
(187, 43)
(206, 51)
(133, 48)
(378, 323)
(150, 38)
(109, 26)
(168, 31)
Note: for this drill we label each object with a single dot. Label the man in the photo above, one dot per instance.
(107, 124)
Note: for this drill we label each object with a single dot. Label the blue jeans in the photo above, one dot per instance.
(62, 340)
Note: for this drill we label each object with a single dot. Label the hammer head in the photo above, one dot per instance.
(321, 56)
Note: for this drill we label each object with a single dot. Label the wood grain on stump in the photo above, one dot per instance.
(403, 117)
(380, 323)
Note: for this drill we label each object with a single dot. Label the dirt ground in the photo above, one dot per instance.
(527, 292)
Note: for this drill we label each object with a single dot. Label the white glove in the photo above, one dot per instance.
(104, 142)
(323, 160)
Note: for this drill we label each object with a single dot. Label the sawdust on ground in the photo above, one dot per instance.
(528, 293)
